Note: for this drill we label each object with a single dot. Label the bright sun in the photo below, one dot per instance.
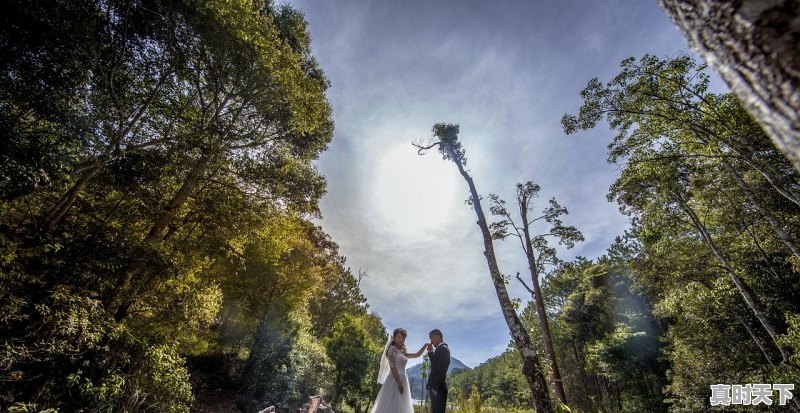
(414, 193)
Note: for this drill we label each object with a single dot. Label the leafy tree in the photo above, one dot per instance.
(269, 374)
(538, 253)
(714, 213)
(154, 211)
(353, 352)
(498, 382)
(663, 142)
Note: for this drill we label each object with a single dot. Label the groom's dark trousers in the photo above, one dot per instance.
(439, 401)
(440, 361)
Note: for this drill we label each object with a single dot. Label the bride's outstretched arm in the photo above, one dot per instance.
(417, 354)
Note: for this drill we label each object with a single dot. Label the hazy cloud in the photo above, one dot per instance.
(506, 71)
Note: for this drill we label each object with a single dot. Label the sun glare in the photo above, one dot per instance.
(413, 193)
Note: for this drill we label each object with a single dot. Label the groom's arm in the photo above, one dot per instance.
(433, 378)
(444, 364)
(434, 371)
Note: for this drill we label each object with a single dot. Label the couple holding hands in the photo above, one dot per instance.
(395, 395)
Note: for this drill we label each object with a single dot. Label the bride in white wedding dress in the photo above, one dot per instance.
(395, 395)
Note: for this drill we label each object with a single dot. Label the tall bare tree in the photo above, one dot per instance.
(446, 139)
(755, 46)
(538, 253)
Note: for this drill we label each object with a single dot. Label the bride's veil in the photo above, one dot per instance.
(383, 371)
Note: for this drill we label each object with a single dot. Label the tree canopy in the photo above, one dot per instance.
(157, 190)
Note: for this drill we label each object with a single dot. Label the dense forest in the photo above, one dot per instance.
(702, 289)
(159, 251)
(156, 195)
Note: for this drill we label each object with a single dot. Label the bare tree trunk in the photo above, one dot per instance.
(757, 341)
(63, 206)
(537, 296)
(743, 289)
(58, 212)
(582, 373)
(531, 368)
(755, 46)
(745, 152)
(773, 222)
(761, 251)
(768, 173)
(617, 395)
(159, 228)
(123, 297)
(599, 391)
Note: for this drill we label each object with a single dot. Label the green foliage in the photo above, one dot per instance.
(497, 382)
(86, 356)
(40, 88)
(354, 353)
(606, 341)
(473, 403)
(613, 336)
(269, 375)
(535, 244)
(449, 146)
(312, 365)
(162, 379)
(715, 212)
(157, 185)
(76, 327)
(788, 372)
(29, 408)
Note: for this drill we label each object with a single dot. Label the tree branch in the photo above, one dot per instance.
(525, 285)
(422, 148)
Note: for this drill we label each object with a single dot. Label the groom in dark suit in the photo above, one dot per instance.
(440, 360)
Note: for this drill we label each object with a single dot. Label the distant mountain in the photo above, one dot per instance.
(415, 376)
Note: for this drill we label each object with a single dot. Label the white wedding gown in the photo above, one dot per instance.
(389, 399)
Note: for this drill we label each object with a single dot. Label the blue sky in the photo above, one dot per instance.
(506, 71)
